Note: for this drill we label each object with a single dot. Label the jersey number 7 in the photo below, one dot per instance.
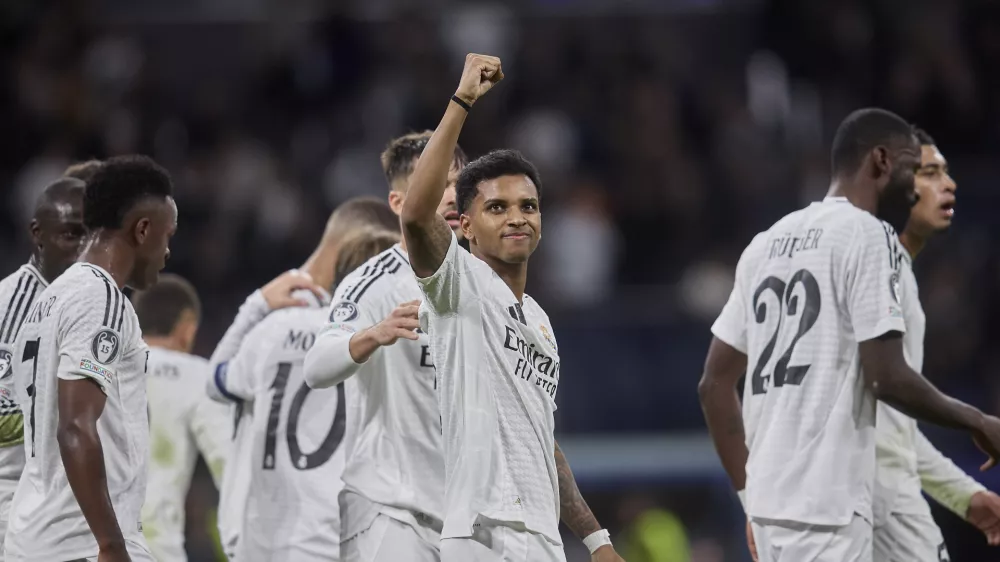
(301, 461)
(788, 305)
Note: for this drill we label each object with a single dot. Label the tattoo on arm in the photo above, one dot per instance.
(427, 245)
(574, 511)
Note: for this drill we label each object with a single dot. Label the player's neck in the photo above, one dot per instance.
(110, 253)
(865, 199)
(913, 242)
(36, 262)
(165, 342)
(321, 266)
(515, 275)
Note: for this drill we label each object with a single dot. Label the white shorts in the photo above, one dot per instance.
(500, 543)
(788, 541)
(906, 537)
(388, 540)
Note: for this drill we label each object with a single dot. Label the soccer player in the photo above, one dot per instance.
(80, 376)
(506, 481)
(815, 321)
(394, 479)
(83, 171)
(907, 462)
(182, 419)
(267, 460)
(56, 232)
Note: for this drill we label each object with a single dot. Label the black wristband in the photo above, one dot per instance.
(461, 103)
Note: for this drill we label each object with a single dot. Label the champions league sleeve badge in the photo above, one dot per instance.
(5, 359)
(343, 312)
(894, 288)
(105, 346)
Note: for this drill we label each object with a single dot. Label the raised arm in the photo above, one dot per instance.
(81, 403)
(576, 514)
(426, 233)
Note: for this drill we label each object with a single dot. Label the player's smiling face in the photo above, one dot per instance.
(936, 189)
(504, 220)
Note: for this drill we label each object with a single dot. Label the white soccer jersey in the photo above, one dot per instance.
(807, 291)
(82, 326)
(17, 293)
(182, 422)
(393, 442)
(292, 513)
(498, 371)
(907, 462)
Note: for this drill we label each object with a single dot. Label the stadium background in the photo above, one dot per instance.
(668, 132)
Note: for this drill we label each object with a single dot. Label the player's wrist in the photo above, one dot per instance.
(463, 100)
(597, 539)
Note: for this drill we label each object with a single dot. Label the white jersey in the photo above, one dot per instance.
(235, 485)
(807, 292)
(182, 422)
(393, 443)
(498, 371)
(17, 293)
(907, 462)
(81, 327)
(292, 512)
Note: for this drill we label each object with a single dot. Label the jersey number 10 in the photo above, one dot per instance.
(301, 461)
(788, 305)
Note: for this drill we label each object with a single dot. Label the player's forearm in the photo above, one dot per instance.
(724, 417)
(334, 358)
(949, 485)
(573, 509)
(83, 459)
(426, 233)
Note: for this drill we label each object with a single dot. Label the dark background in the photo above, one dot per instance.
(667, 133)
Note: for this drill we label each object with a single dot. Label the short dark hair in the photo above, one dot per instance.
(862, 131)
(361, 247)
(923, 137)
(401, 154)
(118, 185)
(492, 165)
(364, 212)
(83, 170)
(160, 307)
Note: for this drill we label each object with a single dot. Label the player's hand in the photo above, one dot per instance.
(401, 323)
(278, 293)
(114, 554)
(751, 543)
(987, 438)
(606, 554)
(984, 513)
(481, 73)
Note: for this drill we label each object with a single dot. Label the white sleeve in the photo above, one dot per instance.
(731, 325)
(943, 480)
(91, 342)
(210, 425)
(454, 284)
(872, 281)
(329, 362)
(234, 379)
(253, 310)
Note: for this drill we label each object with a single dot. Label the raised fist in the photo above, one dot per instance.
(481, 73)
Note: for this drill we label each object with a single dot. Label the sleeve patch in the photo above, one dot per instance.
(5, 362)
(105, 346)
(88, 366)
(343, 311)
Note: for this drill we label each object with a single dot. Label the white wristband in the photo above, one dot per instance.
(743, 498)
(597, 539)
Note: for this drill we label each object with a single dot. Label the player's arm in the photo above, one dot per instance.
(949, 485)
(81, 403)
(427, 235)
(342, 348)
(720, 404)
(871, 282)
(234, 380)
(276, 294)
(576, 514)
(211, 428)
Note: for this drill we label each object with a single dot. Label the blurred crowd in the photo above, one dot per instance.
(665, 141)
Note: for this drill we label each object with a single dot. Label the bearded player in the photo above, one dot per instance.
(506, 481)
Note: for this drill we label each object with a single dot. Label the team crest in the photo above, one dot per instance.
(105, 346)
(4, 363)
(894, 288)
(343, 312)
(548, 337)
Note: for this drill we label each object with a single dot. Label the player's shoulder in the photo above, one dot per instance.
(186, 365)
(25, 278)
(379, 275)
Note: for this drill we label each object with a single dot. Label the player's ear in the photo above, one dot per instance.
(141, 230)
(36, 233)
(881, 161)
(396, 199)
(466, 226)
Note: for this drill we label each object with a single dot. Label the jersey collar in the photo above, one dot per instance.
(34, 271)
(398, 249)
